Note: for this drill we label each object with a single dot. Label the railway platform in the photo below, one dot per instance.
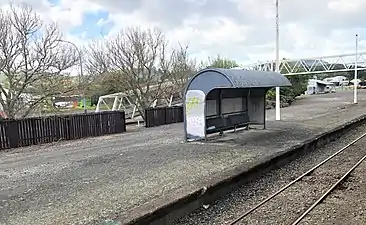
(125, 176)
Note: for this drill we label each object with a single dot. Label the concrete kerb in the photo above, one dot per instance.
(166, 214)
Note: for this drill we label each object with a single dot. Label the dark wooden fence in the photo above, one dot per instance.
(163, 115)
(39, 130)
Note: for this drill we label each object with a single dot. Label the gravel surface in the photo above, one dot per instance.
(90, 180)
(285, 208)
(345, 205)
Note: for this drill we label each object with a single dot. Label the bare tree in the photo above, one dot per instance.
(137, 59)
(182, 67)
(99, 68)
(97, 61)
(32, 59)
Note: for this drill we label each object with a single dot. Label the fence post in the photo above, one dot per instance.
(167, 115)
(146, 119)
(163, 116)
(57, 128)
(67, 127)
(86, 123)
(33, 133)
(12, 133)
(123, 120)
(180, 114)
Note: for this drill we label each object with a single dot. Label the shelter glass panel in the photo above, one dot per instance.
(232, 105)
(211, 108)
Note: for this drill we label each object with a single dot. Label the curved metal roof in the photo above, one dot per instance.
(212, 78)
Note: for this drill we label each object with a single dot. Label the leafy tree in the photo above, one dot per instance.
(219, 62)
(299, 84)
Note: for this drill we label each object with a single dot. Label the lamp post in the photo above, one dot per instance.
(355, 83)
(81, 68)
(278, 101)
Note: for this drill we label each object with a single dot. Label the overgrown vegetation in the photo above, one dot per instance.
(289, 94)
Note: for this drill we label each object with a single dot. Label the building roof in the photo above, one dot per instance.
(324, 82)
(213, 78)
(313, 81)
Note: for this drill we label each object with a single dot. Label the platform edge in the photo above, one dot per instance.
(165, 214)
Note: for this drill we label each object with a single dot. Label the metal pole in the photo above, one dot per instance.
(81, 69)
(278, 100)
(355, 79)
(81, 75)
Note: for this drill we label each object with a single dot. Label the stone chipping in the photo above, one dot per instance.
(96, 179)
(346, 205)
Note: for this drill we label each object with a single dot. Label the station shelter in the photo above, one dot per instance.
(216, 100)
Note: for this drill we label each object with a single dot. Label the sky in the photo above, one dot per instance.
(243, 30)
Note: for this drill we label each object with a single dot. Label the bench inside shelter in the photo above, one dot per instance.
(216, 100)
(226, 109)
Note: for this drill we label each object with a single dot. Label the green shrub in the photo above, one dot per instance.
(288, 94)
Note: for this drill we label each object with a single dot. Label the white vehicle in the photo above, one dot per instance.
(65, 101)
(64, 104)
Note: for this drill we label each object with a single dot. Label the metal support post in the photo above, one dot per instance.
(278, 100)
(355, 83)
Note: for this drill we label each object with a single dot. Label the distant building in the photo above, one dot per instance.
(337, 81)
(319, 87)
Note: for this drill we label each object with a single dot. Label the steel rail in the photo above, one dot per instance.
(294, 181)
(329, 191)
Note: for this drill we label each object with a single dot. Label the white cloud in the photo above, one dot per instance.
(345, 6)
(240, 29)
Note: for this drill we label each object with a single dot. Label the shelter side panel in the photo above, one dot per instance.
(233, 105)
(256, 106)
(195, 115)
(234, 101)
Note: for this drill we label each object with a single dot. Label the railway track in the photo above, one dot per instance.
(341, 164)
